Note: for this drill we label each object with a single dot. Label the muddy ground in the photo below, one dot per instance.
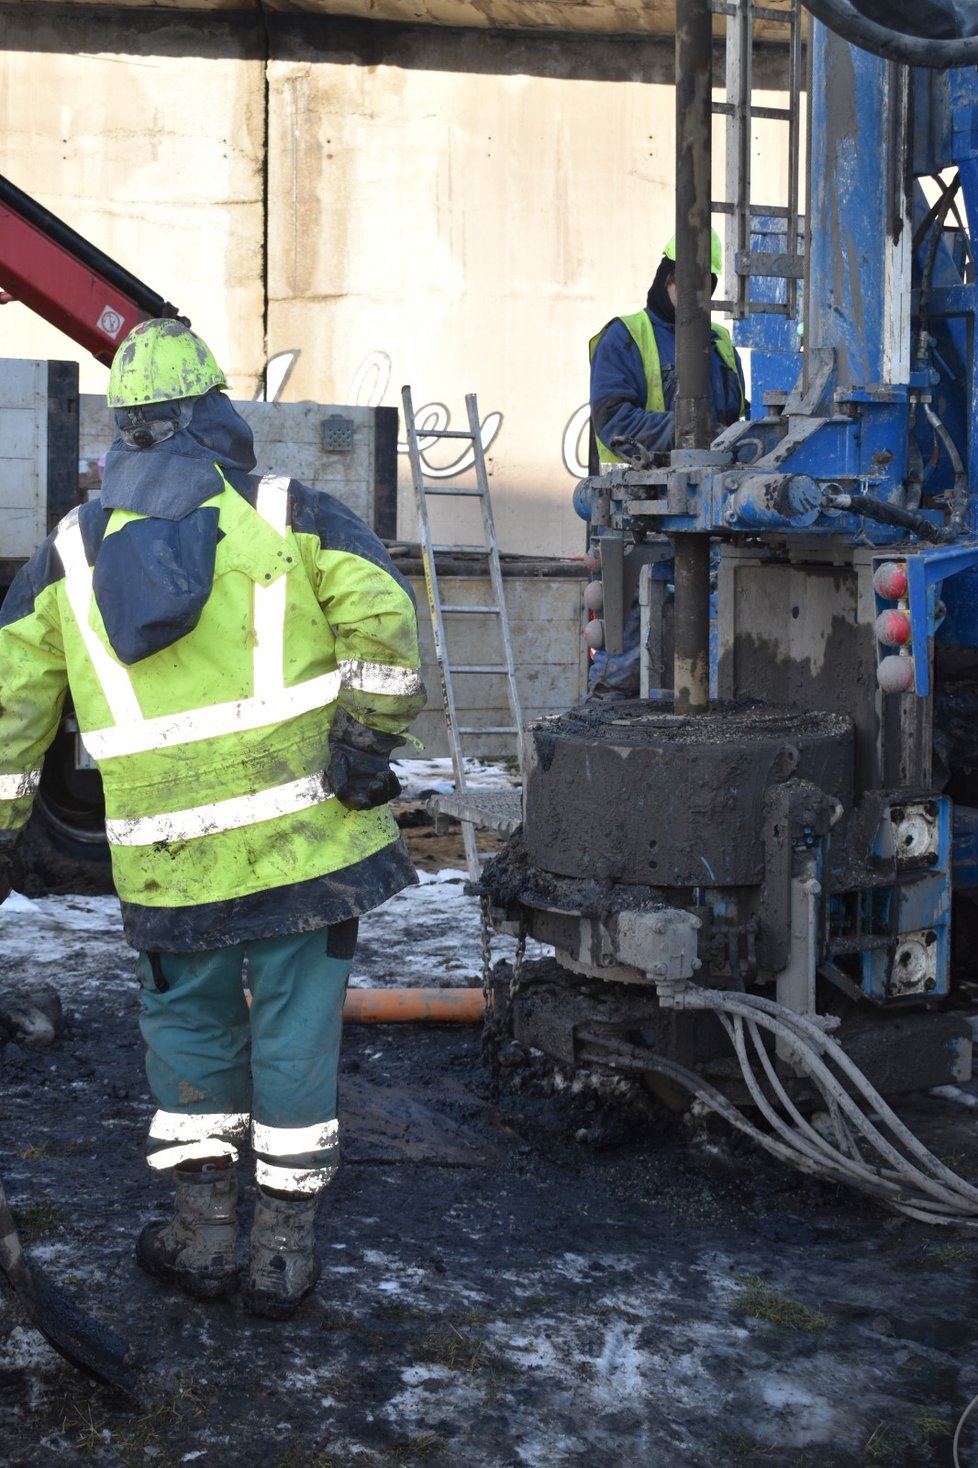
(568, 1275)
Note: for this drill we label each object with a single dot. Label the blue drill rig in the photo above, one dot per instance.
(760, 877)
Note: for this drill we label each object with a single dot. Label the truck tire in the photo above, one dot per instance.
(63, 848)
(46, 864)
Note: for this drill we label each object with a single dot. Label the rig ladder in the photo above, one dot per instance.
(491, 617)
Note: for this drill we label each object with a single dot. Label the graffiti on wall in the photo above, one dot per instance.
(274, 376)
(369, 386)
(574, 444)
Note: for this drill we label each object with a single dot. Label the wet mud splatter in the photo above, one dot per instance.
(573, 1274)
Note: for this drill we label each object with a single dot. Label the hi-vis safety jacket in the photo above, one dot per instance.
(623, 389)
(212, 750)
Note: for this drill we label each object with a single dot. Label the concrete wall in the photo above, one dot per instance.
(347, 451)
(146, 135)
(374, 204)
(545, 616)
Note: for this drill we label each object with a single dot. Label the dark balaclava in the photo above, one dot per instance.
(657, 299)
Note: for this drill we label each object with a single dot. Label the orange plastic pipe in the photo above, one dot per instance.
(393, 1006)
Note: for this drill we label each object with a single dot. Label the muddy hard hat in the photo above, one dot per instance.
(159, 362)
(716, 252)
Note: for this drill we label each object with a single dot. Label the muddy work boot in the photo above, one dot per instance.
(282, 1266)
(195, 1249)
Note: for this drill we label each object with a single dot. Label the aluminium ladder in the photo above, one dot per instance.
(782, 270)
(465, 804)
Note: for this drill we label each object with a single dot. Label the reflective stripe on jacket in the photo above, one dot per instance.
(642, 332)
(212, 750)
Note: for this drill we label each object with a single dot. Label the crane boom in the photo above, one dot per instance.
(56, 272)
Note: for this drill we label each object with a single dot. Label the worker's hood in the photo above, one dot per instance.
(172, 478)
(152, 577)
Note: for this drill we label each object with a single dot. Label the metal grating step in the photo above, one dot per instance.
(490, 810)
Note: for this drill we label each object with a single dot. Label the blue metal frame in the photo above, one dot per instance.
(926, 569)
(873, 417)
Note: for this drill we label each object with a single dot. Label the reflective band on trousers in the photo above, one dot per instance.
(273, 1142)
(291, 1141)
(194, 1137)
(293, 1179)
(220, 815)
(12, 787)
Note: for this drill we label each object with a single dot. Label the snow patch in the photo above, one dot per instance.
(421, 777)
(428, 935)
(955, 1093)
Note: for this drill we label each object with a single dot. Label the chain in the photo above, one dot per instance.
(516, 977)
(490, 1038)
(488, 1044)
(494, 1024)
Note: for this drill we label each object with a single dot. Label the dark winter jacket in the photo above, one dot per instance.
(619, 387)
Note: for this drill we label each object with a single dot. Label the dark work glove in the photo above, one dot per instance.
(359, 772)
(4, 878)
(361, 781)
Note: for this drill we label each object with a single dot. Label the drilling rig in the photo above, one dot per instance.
(760, 877)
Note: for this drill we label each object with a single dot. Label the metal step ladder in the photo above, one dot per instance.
(495, 809)
(777, 271)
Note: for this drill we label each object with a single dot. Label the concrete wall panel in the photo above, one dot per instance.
(546, 616)
(466, 230)
(155, 153)
(457, 210)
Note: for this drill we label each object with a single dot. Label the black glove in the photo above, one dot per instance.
(5, 887)
(359, 772)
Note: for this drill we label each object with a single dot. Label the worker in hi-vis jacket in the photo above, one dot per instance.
(633, 368)
(242, 659)
(632, 394)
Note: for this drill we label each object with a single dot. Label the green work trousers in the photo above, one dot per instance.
(207, 1052)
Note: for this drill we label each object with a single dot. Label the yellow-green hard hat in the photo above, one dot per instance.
(160, 361)
(716, 252)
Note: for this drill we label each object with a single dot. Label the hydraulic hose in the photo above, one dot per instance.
(887, 514)
(866, 1146)
(913, 50)
(959, 492)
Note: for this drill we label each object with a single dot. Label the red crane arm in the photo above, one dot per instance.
(54, 271)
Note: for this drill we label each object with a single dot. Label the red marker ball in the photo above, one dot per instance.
(890, 580)
(893, 628)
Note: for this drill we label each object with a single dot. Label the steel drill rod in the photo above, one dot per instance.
(694, 159)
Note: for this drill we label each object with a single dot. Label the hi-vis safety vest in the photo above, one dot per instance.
(212, 750)
(642, 333)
